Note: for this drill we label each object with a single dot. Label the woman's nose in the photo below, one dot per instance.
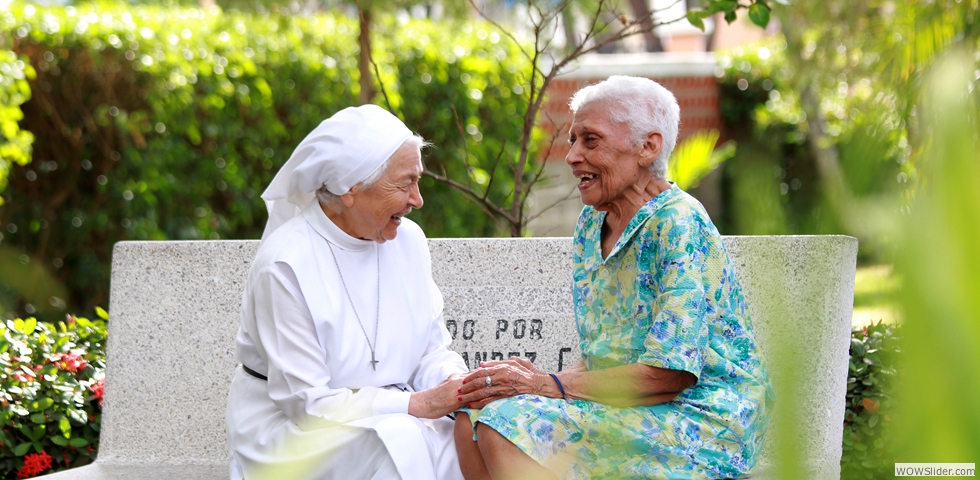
(415, 197)
(573, 155)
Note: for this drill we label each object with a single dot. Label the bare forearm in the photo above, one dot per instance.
(627, 385)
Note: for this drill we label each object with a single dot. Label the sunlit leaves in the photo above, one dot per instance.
(15, 143)
(696, 157)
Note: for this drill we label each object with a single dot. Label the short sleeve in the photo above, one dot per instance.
(678, 335)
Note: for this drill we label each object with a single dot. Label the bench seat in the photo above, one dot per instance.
(175, 308)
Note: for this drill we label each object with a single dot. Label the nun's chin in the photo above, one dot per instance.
(390, 230)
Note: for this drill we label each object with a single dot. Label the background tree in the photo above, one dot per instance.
(837, 49)
(607, 22)
(366, 12)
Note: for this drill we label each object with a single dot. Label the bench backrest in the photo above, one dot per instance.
(174, 310)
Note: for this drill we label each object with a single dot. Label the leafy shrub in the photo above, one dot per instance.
(52, 378)
(870, 403)
(168, 123)
(15, 144)
(773, 185)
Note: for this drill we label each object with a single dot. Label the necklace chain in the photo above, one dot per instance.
(377, 313)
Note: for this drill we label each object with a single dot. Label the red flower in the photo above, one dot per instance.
(34, 463)
(70, 362)
(98, 388)
(23, 377)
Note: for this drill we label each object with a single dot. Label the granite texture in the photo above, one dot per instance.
(174, 310)
(143, 471)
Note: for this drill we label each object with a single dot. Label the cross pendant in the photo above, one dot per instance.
(373, 362)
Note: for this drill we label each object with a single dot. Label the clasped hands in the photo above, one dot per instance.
(508, 378)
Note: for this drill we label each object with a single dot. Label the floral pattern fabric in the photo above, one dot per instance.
(666, 296)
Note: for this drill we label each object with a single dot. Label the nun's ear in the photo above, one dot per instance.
(348, 198)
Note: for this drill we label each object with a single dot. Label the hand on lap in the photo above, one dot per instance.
(508, 378)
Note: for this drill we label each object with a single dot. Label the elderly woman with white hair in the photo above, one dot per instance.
(670, 383)
(346, 370)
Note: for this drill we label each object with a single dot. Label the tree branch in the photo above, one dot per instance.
(486, 205)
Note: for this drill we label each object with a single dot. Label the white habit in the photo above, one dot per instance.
(324, 412)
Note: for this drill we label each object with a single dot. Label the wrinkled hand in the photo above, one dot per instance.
(514, 376)
(437, 401)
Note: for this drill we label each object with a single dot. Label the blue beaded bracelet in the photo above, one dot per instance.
(560, 387)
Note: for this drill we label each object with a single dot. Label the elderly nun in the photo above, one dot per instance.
(346, 370)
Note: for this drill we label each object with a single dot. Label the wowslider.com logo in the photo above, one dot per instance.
(935, 470)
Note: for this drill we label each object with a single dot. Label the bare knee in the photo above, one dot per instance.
(504, 460)
(470, 458)
(463, 430)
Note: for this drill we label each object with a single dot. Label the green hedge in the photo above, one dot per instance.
(51, 383)
(868, 453)
(168, 123)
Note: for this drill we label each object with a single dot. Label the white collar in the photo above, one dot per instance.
(331, 232)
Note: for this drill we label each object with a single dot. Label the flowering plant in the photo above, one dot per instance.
(51, 382)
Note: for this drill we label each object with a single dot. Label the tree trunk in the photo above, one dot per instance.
(364, 60)
(568, 23)
(642, 10)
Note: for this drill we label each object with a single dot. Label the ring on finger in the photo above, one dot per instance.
(488, 381)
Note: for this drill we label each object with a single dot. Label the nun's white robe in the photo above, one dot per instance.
(324, 412)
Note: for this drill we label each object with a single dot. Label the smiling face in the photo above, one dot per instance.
(374, 213)
(604, 157)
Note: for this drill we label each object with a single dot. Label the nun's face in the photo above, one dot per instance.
(374, 213)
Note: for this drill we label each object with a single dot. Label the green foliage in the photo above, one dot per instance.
(475, 127)
(939, 264)
(696, 157)
(758, 108)
(29, 280)
(871, 384)
(50, 392)
(168, 123)
(15, 143)
(774, 175)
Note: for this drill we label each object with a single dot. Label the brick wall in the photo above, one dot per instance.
(696, 95)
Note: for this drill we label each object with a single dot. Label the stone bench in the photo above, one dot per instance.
(174, 310)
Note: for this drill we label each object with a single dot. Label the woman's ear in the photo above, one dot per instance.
(651, 148)
(348, 198)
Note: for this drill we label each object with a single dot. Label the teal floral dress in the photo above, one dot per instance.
(666, 296)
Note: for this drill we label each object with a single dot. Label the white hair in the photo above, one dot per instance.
(332, 201)
(643, 105)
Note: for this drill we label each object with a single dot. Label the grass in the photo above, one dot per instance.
(875, 295)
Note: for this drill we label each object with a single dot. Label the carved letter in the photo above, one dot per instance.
(531, 356)
(501, 327)
(513, 354)
(468, 328)
(479, 357)
(536, 326)
(496, 356)
(520, 326)
(561, 354)
(466, 359)
(452, 327)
